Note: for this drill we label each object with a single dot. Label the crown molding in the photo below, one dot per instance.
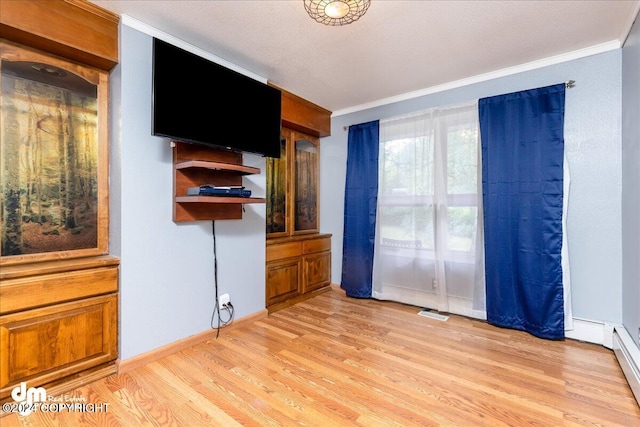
(159, 34)
(534, 65)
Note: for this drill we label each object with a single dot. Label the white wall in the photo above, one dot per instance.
(593, 148)
(166, 270)
(631, 182)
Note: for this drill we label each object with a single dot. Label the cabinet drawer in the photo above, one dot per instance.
(316, 245)
(284, 250)
(36, 291)
(45, 344)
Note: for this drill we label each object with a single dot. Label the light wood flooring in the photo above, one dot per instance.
(336, 361)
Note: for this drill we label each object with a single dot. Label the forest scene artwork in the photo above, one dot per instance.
(276, 192)
(306, 191)
(49, 148)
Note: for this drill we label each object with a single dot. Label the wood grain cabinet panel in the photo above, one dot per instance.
(31, 292)
(317, 271)
(284, 250)
(283, 280)
(316, 245)
(45, 344)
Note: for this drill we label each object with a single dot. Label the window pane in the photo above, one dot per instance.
(276, 191)
(407, 166)
(407, 226)
(461, 228)
(306, 186)
(49, 150)
(462, 160)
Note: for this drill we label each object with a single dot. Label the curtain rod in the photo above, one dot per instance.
(568, 85)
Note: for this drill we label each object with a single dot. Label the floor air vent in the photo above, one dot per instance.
(430, 314)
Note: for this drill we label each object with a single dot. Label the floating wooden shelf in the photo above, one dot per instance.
(214, 199)
(241, 169)
(196, 165)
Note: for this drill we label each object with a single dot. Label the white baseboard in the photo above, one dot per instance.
(616, 338)
(628, 356)
(591, 331)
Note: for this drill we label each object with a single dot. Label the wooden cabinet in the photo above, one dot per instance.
(58, 322)
(58, 285)
(298, 257)
(297, 268)
(196, 165)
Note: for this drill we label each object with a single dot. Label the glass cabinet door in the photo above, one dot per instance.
(277, 180)
(54, 168)
(305, 182)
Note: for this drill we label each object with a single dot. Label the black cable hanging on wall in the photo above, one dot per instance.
(216, 309)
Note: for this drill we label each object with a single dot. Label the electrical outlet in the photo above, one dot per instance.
(224, 299)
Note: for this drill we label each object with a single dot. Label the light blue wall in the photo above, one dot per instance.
(593, 148)
(166, 280)
(166, 273)
(631, 182)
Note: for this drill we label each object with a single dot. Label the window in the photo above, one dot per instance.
(421, 198)
(427, 237)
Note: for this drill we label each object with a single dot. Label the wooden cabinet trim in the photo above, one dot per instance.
(61, 266)
(298, 238)
(31, 292)
(316, 245)
(304, 116)
(73, 29)
(284, 250)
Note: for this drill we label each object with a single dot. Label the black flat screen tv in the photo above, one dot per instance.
(196, 100)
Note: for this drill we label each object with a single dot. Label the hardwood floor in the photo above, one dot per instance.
(336, 361)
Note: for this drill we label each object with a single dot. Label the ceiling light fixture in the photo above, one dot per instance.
(336, 12)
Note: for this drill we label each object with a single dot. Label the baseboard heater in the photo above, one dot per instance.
(628, 356)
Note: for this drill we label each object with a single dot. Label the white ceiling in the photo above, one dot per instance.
(397, 48)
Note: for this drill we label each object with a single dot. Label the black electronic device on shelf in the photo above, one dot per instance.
(211, 190)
